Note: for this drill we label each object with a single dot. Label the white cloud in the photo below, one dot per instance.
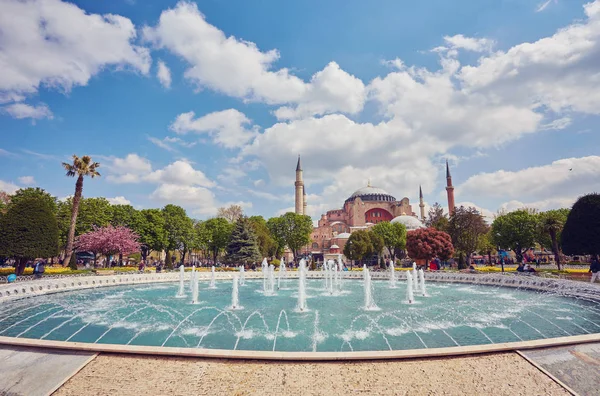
(240, 69)
(559, 72)
(473, 44)
(162, 144)
(27, 180)
(6, 153)
(163, 74)
(120, 200)
(22, 110)
(131, 169)
(231, 174)
(58, 45)
(559, 123)
(542, 6)
(201, 199)
(563, 179)
(8, 187)
(227, 127)
(180, 173)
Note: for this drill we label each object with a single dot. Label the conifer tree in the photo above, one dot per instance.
(243, 245)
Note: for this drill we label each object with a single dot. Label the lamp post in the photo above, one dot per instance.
(351, 260)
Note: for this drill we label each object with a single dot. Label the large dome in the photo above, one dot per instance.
(410, 222)
(371, 193)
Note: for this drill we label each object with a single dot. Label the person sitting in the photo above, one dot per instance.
(521, 268)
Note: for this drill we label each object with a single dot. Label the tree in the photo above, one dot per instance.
(266, 244)
(125, 216)
(582, 228)
(231, 213)
(4, 201)
(393, 235)
(359, 246)
(293, 230)
(180, 231)
(218, 231)
(243, 244)
(80, 167)
(151, 229)
(466, 227)
(35, 193)
(92, 213)
(515, 230)
(550, 225)
(109, 241)
(487, 245)
(436, 218)
(28, 230)
(427, 243)
(377, 243)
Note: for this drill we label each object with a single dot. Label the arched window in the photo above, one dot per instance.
(315, 245)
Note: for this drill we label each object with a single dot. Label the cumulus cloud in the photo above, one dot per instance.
(58, 45)
(131, 169)
(180, 173)
(8, 187)
(227, 128)
(120, 200)
(562, 180)
(559, 72)
(163, 74)
(461, 42)
(27, 180)
(22, 110)
(240, 69)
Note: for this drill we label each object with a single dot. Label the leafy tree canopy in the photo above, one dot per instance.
(427, 243)
(267, 245)
(217, 231)
(232, 213)
(292, 230)
(359, 245)
(581, 232)
(466, 227)
(436, 218)
(28, 229)
(152, 232)
(515, 230)
(393, 235)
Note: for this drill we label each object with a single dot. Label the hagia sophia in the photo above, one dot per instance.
(363, 209)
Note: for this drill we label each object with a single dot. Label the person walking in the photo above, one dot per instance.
(595, 268)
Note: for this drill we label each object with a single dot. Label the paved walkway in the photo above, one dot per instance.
(577, 366)
(32, 372)
(500, 374)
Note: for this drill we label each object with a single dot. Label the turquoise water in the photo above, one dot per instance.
(453, 314)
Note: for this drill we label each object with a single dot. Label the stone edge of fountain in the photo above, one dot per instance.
(301, 356)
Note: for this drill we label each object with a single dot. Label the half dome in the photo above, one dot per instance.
(410, 222)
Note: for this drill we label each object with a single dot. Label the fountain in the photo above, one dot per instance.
(264, 269)
(409, 288)
(235, 300)
(242, 275)
(181, 292)
(336, 280)
(212, 278)
(326, 275)
(415, 276)
(422, 282)
(369, 303)
(271, 279)
(302, 287)
(392, 275)
(195, 287)
(341, 273)
(192, 278)
(282, 270)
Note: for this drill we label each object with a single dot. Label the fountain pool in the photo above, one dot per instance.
(452, 314)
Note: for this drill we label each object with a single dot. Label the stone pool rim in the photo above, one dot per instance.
(30, 289)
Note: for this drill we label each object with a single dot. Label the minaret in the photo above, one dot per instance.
(304, 203)
(299, 189)
(449, 190)
(421, 204)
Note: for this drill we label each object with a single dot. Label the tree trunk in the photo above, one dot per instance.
(555, 248)
(20, 266)
(489, 257)
(74, 212)
(468, 259)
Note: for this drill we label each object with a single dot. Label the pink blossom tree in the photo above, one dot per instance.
(109, 241)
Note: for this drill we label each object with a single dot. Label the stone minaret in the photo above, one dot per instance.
(421, 204)
(299, 189)
(304, 203)
(449, 190)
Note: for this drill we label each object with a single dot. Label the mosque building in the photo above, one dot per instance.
(363, 209)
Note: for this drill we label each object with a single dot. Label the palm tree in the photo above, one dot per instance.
(80, 167)
(552, 224)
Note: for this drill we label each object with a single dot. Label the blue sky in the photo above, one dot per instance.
(208, 103)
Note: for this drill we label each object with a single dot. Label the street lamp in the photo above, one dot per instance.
(351, 260)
